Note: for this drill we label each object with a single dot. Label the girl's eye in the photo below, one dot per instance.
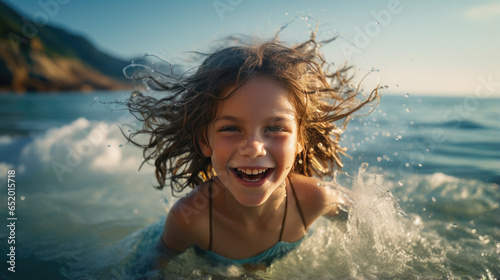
(275, 129)
(229, 128)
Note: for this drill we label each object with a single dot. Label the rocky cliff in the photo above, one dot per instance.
(39, 57)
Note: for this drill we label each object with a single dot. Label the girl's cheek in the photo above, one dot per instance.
(288, 144)
(222, 151)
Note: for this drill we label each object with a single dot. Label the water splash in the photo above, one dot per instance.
(377, 234)
(379, 240)
(153, 72)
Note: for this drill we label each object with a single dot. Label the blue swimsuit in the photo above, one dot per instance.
(278, 251)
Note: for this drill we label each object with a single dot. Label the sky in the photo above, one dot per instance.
(446, 47)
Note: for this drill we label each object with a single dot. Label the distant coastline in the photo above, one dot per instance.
(37, 57)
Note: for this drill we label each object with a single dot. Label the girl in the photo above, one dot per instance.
(247, 132)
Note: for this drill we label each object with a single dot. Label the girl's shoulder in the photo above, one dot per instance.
(314, 199)
(188, 220)
(317, 200)
(192, 209)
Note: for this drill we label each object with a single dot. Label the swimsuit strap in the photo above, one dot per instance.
(298, 205)
(210, 213)
(284, 215)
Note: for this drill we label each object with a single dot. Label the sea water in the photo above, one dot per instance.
(423, 176)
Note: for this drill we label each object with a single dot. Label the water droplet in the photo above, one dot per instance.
(109, 146)
(400, 183)
(23, 197)
(419, 165)
(286, 14)
(453, 225)
(433, 199)
(96, 99)
(379, 159)
(121, 145)
(407, 95)
(196, 272)
(377, 22)
(407, 164)
(408, 109)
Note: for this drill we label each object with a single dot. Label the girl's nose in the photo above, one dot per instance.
(253, 148)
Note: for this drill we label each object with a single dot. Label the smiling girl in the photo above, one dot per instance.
(252, 132)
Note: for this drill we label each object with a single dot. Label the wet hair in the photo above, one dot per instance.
(177, 121)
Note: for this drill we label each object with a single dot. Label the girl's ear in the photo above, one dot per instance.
(299, 148)
(206, 150)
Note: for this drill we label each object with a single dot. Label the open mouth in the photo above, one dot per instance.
(252, 174)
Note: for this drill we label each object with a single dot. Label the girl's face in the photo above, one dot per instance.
(253, 140)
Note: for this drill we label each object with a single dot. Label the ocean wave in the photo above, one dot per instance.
(454, 199)
(462, 124)
(78, 150)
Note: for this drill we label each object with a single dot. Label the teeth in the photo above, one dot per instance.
(252, 171)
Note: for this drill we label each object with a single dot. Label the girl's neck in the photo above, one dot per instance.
(251, 214)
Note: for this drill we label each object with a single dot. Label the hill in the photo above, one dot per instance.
(39, 57)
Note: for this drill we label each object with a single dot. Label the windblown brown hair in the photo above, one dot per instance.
(178, 121)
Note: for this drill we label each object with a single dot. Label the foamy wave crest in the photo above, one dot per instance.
(81, 148)
(5, 140)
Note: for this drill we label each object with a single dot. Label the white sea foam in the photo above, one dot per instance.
(439, 178)
(5, 139)
(81, 147)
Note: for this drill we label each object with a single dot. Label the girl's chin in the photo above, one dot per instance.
(254, 196)
(251, 201)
